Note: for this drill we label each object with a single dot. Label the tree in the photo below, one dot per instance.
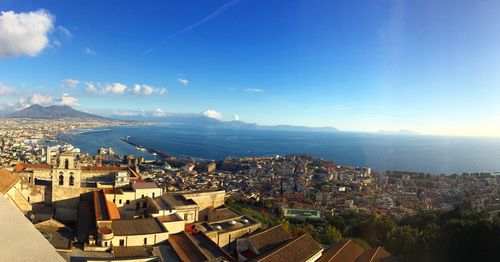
(331, 235)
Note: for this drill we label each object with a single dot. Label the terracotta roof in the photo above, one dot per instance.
(110, 191)
(130, 252)
(302, 248)
(7, 180)
(169, 218)
(343, 251)
(378, 254)
(209, 247)
(22, 166)
(104, 168)
(100, 206)
(112, 209)
(133, 174)
(141, 226)
(184, 248)
(269, 238)
(144, 185)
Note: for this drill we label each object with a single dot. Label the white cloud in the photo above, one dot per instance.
(24, 33)
(236, 117)
(67, 100)
(210, 113)
(122, 89)
(46, 100)
(146, 90)
(128, 112)
(89, 51)
(64, 31)
(5, 90)
(71, 83)
(183, 81)
(90, 88)
(253, 90)
(114, 88)
(40, 99)
(137, 90)
(159, 112)
(162, 90)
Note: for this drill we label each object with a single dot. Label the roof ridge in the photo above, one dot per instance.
(343, 246)
(374, 254)
(269, 229)
(285, 245)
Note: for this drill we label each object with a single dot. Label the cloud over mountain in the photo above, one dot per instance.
(210, 113)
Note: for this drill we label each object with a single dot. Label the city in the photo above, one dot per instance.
(116, 207)
(249, 130)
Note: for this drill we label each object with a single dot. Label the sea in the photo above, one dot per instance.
(381, 152)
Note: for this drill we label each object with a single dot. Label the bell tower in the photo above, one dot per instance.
(67, 171)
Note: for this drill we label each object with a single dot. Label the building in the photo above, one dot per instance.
(191, 206)
(301, 214)
(348, 251)
(61, 182)
(29, 244)
(276, 244)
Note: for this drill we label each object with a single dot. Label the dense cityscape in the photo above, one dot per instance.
(57, 186)
(249, 131)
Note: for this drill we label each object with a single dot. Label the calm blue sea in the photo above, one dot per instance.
(432, 154)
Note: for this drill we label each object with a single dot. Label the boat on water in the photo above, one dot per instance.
(140, 148)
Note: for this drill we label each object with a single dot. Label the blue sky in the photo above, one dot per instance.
(427, 66)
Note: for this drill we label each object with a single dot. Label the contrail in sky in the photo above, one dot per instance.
(207, 18)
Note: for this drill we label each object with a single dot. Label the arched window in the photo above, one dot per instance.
(61, 179)
(71, 180)
(66, 164)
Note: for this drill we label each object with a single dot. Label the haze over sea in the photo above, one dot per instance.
(430, 154)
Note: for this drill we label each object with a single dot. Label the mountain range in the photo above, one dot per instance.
(60, 111)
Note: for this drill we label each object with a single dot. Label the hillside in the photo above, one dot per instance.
(52, 112)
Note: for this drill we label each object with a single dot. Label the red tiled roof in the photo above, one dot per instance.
(22, 166)
(112, 210)
(378, 254)
(103, 168)
(343, 251)
(7, 180)
(269, 238)
(302, 248)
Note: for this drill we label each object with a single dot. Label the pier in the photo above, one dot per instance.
(150, 150)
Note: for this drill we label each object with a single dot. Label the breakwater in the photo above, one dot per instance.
(160, 153)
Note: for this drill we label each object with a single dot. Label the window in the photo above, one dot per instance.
(61, 179)
(71, 180)
(66, 164)
(120, 201)
(127, 202)
(122, 242)
(145, 241)
(153, 194)
(105, 243)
